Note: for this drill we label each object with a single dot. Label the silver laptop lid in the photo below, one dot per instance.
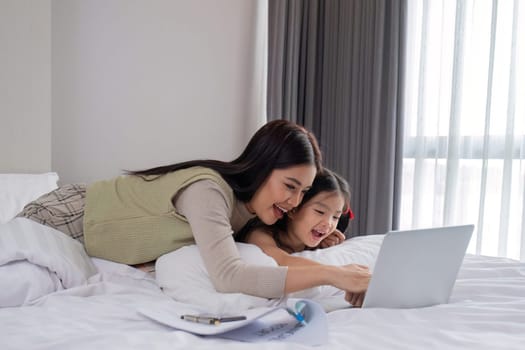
(417, 268)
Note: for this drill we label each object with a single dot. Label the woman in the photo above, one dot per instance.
(138, 217)
(325, 209)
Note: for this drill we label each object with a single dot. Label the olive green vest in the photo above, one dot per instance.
(132, 221)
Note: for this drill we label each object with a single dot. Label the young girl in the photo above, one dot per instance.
(324, 210)
(138, 217)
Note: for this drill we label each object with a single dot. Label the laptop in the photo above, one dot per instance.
(417, 268)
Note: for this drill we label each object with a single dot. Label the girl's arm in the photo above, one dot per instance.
(265, 241)
(335, 238)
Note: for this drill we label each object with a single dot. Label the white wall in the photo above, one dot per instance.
(25, 86)
(89, 88)
(138, 84)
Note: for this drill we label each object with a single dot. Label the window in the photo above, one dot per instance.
(464, 147)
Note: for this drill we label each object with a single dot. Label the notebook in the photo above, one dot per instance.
(417, 268)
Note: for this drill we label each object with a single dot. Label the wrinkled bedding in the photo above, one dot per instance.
(486, 311)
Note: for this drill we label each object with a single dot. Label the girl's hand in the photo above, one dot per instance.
(356, 299)
(335, 238)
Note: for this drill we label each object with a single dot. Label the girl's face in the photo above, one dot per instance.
(282, 191)
(315, 220)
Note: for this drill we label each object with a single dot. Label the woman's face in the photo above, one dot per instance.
(315, 220)
(282, 191)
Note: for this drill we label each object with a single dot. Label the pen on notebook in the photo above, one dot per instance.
(212, 320)
(201, 319)
(232, 318)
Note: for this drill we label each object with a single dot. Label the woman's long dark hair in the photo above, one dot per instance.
(276, 145)
(325, 181)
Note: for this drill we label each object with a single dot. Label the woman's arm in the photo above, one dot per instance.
(304, 273)
(350, 278)
(208, 210)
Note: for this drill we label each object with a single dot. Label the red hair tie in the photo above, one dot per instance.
(350, 213)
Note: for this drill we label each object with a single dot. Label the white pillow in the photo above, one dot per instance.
(36, 259)
(361, 250)
(182, 275)
(17, 190)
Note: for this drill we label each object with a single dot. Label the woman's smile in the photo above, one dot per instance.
(282, 191)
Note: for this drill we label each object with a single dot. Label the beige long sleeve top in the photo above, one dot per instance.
(213, 220)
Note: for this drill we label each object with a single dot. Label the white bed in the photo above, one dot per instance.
(92, 304)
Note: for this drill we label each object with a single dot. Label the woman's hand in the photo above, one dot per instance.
(334, 238)
(352, 278)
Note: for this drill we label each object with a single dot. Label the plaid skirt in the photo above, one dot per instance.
(62, 209)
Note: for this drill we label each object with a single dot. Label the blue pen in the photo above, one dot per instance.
(298, 315)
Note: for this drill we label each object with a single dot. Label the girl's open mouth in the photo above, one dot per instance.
(318, 234)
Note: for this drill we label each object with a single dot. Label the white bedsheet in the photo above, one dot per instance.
(36, 260)
(487, 311)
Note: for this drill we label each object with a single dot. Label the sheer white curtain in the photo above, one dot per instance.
(464, 143)
(256, 114)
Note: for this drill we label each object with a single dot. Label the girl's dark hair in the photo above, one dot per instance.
(276, 145)
(325, 181)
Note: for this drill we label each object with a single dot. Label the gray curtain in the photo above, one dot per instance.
(336, 67)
